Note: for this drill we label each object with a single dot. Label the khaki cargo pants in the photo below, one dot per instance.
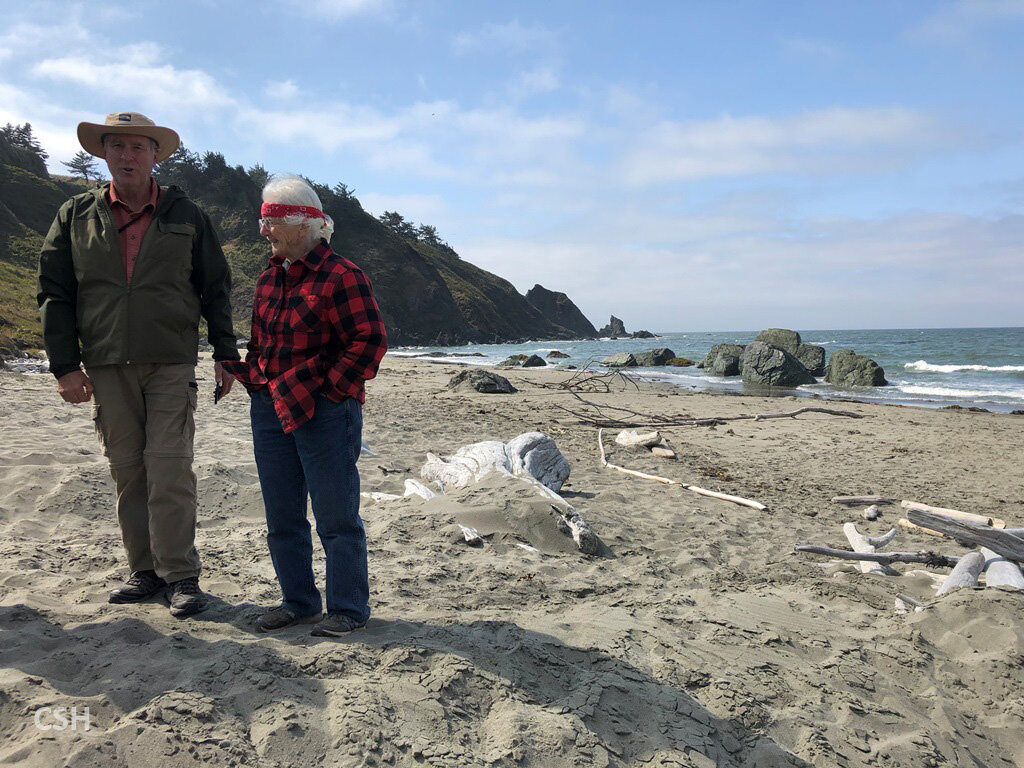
(144, 415)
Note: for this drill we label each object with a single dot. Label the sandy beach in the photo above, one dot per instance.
(699, 638)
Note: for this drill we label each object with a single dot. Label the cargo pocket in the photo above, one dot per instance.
(97, 424)
(189, 428)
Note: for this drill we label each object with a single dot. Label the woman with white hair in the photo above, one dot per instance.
(316, 337)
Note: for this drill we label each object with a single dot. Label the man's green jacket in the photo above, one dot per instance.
(91, 314)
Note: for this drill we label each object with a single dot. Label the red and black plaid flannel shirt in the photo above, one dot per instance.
(316, 329)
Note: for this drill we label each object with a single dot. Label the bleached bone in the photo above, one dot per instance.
(531, 454)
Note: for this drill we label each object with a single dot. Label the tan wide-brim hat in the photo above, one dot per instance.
(90, 135)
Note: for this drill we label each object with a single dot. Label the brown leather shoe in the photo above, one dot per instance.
(140, 586)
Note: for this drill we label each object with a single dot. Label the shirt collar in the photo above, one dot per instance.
(154, 193)
(312, 260)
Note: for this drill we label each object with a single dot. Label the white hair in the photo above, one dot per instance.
(289, 189)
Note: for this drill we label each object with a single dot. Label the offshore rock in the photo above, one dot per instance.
(654, 357)
(723, 360)
(767, 365)
(813, 358)
(621, 360)
(848, 369)
(615, 329)
(534, 361)
(782, 338)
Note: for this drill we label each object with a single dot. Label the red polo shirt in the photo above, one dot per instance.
(132, 224)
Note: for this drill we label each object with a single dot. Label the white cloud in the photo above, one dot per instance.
(136, 74)
(533, 82)
(348, 125)
(511, 36)
(339, 10)
(281, 90)
(831, 139)
(956, 22)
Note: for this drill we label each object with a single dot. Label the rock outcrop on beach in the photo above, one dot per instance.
(848, 369)
(560, 310)
(811, 355)
(723, 360)
(427, 293)
(480, 380)
(620, 360)
(766, 365)
(813, 358)
(654, 357)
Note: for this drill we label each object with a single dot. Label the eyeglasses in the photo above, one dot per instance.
(268, 223)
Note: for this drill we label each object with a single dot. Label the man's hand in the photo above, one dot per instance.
(75, 387)
(223, 378)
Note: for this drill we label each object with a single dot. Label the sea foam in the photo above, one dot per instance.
(924, 365)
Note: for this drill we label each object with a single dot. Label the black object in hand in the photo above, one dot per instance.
(217, 392)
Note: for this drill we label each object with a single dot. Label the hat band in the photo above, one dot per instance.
(278, 210)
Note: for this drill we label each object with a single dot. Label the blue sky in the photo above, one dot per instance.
(683, 165)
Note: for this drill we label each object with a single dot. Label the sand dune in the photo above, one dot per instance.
(701, 639)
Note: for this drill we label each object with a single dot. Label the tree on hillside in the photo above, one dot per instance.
(397, 224)
(21, 136)
(82, 164)
(428, 234)
(342, 191)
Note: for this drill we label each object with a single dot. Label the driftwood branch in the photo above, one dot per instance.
(666, 481)
(662, 421)
(1002, 543)
(932, 559)
(860, 543)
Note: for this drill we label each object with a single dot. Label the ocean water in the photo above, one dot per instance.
(926, 367)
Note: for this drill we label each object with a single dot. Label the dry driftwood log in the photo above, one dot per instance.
(964, 574)
(702, 491)
(859, 501)
(933, 559)
(1001, 542)
(860, 543)
(956, 514)
(1000, 572)
(631, 437)
(904, 523)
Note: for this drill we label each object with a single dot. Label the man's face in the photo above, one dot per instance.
(130, 158)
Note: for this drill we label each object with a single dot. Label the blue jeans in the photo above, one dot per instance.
(317, 460)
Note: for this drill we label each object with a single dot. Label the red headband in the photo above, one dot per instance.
(279, 210)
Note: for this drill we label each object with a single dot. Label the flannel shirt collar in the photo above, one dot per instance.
(312, 260)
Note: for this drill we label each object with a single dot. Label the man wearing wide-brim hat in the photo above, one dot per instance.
(125, 274)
